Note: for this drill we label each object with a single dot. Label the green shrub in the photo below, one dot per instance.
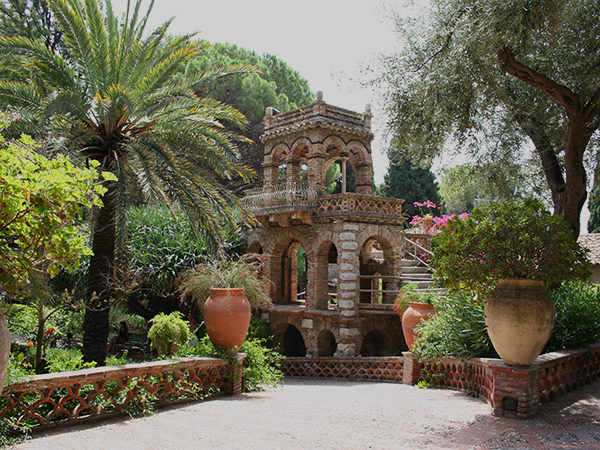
(64, 360)
(262, 366)
(458, 329)
(577, 316)
(506, 240)
(259, 329)
(168, 332)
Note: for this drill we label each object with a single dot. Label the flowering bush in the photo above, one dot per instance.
(506, 240)
(437, 222)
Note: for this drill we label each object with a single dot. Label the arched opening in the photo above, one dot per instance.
(293, 342)
(255, 247)
(334, 178)
(332, 275)
(378, 281)
(294, 266)
(282, 169)
(303, 172)
(375, 343)
(326, 344)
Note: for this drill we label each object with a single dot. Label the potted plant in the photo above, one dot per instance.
(509, 252)
(227, 290)
(413, 306)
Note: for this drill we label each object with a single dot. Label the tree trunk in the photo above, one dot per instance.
(100, 280)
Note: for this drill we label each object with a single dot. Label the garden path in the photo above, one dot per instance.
(312, 413)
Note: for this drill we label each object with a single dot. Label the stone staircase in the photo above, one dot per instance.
(414, 271)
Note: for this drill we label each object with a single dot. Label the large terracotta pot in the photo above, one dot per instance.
(415, 313)
(227, 318)
(519, 315)
(4, 350)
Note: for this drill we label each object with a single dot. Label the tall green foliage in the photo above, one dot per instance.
(276, 84)
(486, 77)
(412, 183)
(115, 101)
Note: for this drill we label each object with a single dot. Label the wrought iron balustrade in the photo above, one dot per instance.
(297, 196)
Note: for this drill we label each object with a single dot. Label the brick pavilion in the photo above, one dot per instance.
(351, 243)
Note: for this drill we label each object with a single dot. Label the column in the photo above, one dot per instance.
(348, 274)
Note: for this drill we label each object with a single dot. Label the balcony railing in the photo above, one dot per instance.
(297, 196)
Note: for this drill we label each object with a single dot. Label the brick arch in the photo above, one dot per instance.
(359, 150)
(282, 266)
(300, 147)
(319, 275)
(289, 335)
(377, 342)
(278, 150)
(326, 343)
(334, 141)
(255, 247)
(377, 273)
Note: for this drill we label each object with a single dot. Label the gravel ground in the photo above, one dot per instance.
(304, 413)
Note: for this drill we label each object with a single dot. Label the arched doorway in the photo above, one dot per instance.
(294, 266)
(326, 344)
(378, 280)
(334, 178)
(293, 342)
(375, 343)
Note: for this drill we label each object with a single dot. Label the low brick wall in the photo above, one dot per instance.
(375, 368)
(69, 397)
(511, 391)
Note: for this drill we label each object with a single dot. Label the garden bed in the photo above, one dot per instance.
(73, 397)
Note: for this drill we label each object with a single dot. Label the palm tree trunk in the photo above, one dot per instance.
(100, 280)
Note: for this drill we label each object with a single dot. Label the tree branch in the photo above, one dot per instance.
(560, 93)
(592, 109)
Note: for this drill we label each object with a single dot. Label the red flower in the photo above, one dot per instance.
(30, 344)
(49, 331)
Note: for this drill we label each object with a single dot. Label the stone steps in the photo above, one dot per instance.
(413, 271)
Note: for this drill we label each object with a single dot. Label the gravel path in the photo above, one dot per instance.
(304, 413)
(335, 414)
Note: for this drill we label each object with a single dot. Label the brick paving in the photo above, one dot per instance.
(314, 413)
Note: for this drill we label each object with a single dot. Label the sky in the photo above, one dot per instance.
(326, 41)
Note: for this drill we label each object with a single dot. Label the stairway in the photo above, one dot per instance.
(414, 271)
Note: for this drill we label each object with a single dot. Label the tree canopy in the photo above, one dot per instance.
(483, 77)
(274, 84)
(413, 184)
(40, 202)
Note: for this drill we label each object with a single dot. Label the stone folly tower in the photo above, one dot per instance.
(332, 250)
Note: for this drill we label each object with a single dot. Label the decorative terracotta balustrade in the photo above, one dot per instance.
(68, 397)
(362, 207)
(387, 368)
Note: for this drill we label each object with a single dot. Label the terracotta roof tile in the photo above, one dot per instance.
(591, 242)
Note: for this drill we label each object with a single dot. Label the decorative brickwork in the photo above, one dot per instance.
(374, 369)
(511, 391)
(69, 397)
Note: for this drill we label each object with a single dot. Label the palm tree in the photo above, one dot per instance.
(115, 101)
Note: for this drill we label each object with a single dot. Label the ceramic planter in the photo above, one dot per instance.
(415, 313)
(227, 318)
(4, 350)
(519, 315)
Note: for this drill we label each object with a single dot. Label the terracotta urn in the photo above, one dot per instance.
(415, 313)
(519, 315)
(427, 223)
(4, 350)
(227, 318)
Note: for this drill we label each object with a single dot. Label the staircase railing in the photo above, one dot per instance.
(414, 246)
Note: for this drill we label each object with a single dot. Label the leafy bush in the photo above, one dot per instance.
(261, 368)
(162, 244)
(458, 329)
(64, 360)
(506, 240)
(577, 316)
(259, 329)
(168, 332)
